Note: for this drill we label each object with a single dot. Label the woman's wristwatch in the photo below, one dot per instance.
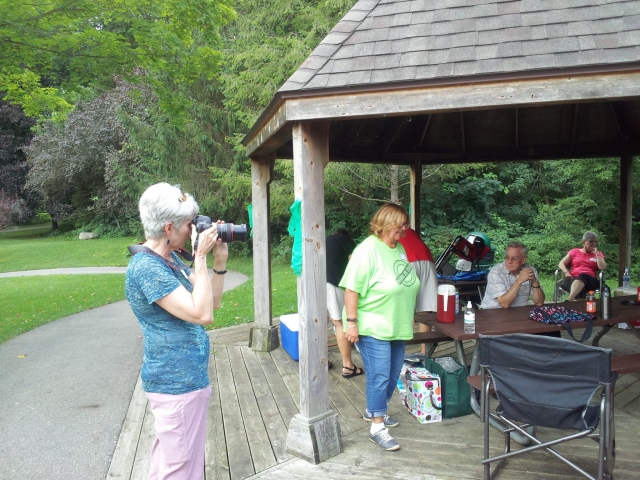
(353, 320)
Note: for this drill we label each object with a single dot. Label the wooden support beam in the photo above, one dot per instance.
(463, 145)
(480, 96)
(626, 197)
(415, 172)
(574, 128)
(314, 434)
(517, 134)
(354, 132)
(615, 114)
(264, 336)
(392, 133)
(424, 132)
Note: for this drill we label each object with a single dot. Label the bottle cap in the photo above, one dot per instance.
(469, 304)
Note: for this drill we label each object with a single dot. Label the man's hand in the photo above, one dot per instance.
(526, 274)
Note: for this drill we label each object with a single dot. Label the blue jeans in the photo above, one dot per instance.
(382, 363)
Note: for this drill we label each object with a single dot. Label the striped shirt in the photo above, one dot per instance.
(499, 281)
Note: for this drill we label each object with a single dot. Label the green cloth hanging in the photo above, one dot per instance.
(250, 210)
(295, 230)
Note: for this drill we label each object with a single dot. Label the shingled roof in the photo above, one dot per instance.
(384, 41)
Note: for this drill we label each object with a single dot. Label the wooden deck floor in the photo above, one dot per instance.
(255, 394)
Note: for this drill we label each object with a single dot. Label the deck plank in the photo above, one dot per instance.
(125, 452)
(238, 452)
(276, 428)
(447, 450)
(286, 405)
(216, 464)
(140, 470)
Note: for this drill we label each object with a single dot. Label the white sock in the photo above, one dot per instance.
(376, 427)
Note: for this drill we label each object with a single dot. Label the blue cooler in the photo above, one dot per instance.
(289, 328)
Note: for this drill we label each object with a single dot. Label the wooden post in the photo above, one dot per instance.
(264, 336)
(415, 173)
(314, 434)
(624, 232)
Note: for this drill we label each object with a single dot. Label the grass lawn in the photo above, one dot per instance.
(28, 302)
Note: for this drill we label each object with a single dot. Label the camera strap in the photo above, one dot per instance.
(133, 249)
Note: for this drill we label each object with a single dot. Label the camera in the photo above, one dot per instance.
(228, 232)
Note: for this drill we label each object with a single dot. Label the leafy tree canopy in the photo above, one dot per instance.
(53, 48)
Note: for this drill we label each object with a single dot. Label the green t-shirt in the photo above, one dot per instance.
(387, 287)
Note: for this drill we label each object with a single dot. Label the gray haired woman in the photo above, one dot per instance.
(172, 303)
(581, 266)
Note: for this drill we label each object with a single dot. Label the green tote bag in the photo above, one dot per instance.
(456, 391)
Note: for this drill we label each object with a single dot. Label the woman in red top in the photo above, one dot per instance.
(581, 267)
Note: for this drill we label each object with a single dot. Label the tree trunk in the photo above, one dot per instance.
(395, 173)
(54, 224)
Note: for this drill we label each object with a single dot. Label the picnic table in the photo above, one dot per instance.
(504, 321)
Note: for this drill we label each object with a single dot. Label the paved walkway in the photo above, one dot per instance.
(65, 271)
(65, 388)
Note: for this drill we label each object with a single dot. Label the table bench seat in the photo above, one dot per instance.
(621, 364)
(626, 363)
(428, 337)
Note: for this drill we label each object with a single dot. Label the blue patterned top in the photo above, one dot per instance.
(176, 352)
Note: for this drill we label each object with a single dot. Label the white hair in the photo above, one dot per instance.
(161, 204)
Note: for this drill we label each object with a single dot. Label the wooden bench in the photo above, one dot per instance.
(476, 382)
(622, 364)
(626, 363)
(428, 337)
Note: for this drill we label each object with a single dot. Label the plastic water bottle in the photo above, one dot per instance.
(625, 278)
(469, 319)
(457, 302)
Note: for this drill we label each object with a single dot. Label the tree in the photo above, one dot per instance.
(79, 167)
(15, 135)
(53, 48)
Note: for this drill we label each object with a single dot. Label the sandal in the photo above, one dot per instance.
(355, 371)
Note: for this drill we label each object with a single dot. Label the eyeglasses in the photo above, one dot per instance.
(512, 259)
(595, 242)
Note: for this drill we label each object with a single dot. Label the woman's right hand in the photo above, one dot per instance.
(568, 276)
(206, 239)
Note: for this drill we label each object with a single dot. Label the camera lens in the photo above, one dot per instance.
(229, 232)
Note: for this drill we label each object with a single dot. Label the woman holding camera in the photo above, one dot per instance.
(380, 296)
(172, 304)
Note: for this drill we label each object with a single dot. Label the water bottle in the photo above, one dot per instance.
(457, 302)
(625, 278)
(469, 319)
(605, 302)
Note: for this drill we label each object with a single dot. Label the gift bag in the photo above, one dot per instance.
(456, 392)
(422, 395)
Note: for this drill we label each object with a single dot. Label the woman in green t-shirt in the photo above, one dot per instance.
(380, 296)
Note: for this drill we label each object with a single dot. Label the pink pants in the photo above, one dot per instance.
(181, 432)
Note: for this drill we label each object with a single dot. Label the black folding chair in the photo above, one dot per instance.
(548, 382)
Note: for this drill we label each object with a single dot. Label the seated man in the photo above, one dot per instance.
(512, 282)
(581, 266)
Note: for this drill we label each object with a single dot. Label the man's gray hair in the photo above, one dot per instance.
(525, 251)
(589, 236)
(163, 203)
